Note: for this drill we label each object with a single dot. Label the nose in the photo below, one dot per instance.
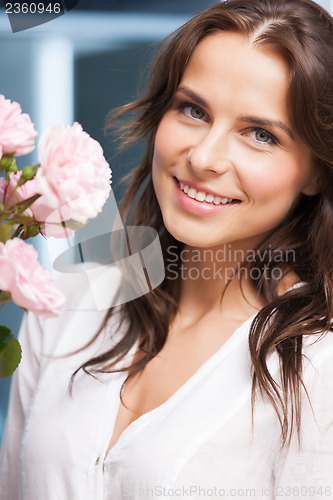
(211, 152)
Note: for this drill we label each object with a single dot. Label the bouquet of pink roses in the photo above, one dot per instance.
(68, 186)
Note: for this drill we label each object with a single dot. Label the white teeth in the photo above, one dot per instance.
(202, 196)
(209, 198)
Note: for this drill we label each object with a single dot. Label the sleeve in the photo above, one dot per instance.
(307, 471)
(23, 385)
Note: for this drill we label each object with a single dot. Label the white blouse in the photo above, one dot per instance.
(198, 444)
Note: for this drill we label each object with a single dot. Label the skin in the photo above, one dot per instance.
(211, 146)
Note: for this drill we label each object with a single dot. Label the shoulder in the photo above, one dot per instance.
(309, 464)
(318, 365)
(318, 379)
(317, 354)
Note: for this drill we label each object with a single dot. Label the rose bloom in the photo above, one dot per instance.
(17, 132)
(30, 284)
(74, 177)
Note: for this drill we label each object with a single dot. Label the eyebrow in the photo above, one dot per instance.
(192, 95)
(262, 122)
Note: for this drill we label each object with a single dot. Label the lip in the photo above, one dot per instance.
(201, 188)
(200, 207)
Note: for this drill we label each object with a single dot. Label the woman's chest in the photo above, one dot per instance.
(203, 429)
(181, 357)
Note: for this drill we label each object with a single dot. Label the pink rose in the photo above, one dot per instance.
(30, 284)
(74, 176)
(17, 132)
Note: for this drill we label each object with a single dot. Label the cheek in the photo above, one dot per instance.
(170, 142)
(279, 179)
(162, 158)
(163, 141)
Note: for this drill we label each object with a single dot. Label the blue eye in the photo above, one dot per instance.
(192, 111)
(264, 137)
(196, 113)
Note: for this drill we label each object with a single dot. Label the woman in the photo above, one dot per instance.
(225, 369)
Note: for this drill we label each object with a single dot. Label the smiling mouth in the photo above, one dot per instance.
(202, 196)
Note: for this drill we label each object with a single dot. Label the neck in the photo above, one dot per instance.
(205, 274)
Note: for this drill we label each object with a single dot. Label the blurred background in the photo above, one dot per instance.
(76, 68)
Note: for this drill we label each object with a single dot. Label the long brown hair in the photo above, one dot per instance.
(302, 33)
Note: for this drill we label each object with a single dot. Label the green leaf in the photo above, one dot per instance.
(5, 337)
(10, 352)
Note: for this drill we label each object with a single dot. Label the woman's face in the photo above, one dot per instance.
(226, 139)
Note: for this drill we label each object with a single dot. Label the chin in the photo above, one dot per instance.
(177, 233)
(192, 240)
